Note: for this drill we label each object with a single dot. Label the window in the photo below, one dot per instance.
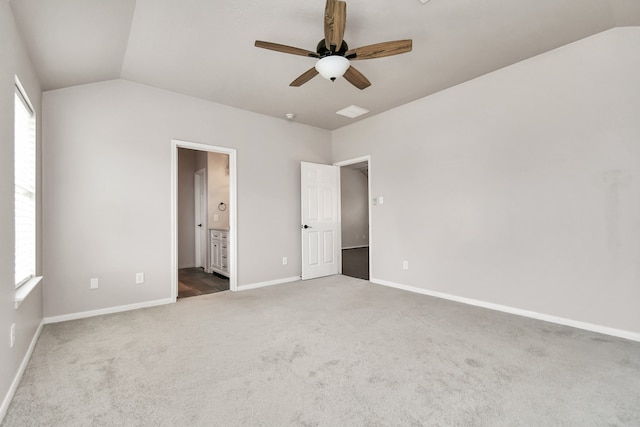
(25, 187)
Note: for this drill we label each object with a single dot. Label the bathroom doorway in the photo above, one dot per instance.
(203, 220)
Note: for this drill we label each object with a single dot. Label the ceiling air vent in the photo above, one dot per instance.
(352, 112)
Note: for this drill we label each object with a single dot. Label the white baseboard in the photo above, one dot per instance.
(110, 310)
(355, 247)
(633, 336)
(16, 380)
(268, 283)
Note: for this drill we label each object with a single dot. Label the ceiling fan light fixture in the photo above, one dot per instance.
(332, 67)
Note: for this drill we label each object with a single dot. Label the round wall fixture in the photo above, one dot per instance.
(222, 206)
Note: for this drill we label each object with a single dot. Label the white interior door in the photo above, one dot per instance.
(200, 193)
(320, 227)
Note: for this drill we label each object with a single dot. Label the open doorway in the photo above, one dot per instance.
(355, 218)
(207, 271)
(203, 219)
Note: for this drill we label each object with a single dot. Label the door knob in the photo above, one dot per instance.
(199, 225)
(306, 226)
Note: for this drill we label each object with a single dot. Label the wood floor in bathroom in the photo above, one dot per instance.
(195, 281)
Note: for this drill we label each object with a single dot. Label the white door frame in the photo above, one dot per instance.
(348, 162)
(201, 211)
(233, 212)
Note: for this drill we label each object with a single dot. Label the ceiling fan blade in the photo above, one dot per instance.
(304, 77)
(339, 22)
(286, 49)
(380, 50)
(356, 78)
(329, 21)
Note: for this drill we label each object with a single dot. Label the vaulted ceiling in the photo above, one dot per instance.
(205, 48)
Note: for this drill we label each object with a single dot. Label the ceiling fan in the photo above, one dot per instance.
(334, 55)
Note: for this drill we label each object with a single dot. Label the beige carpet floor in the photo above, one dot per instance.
(336, 351)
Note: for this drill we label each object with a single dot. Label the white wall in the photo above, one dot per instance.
(107, 190)
(354, 204)
(186, 208)
(14, 60)
(218, 189)
(519, 188)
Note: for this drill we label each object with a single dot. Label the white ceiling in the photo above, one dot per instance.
(204, 48)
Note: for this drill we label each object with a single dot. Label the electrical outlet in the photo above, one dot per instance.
(12, 334)
(285, 261)
(405, 265)
(139, 278)
(94, 283)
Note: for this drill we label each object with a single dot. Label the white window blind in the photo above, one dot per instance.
(25, 189)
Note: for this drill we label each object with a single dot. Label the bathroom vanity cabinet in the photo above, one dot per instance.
(218, 253)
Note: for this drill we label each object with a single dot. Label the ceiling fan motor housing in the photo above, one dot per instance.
(323, 51)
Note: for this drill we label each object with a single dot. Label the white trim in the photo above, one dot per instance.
(355, 247)
(348, 162)
(24, 95)
(633, 336)
(339, 215)
(109, 310)
(25, 289)
(173, 262)
(269, 283)
(16, 380)
(233, 210)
